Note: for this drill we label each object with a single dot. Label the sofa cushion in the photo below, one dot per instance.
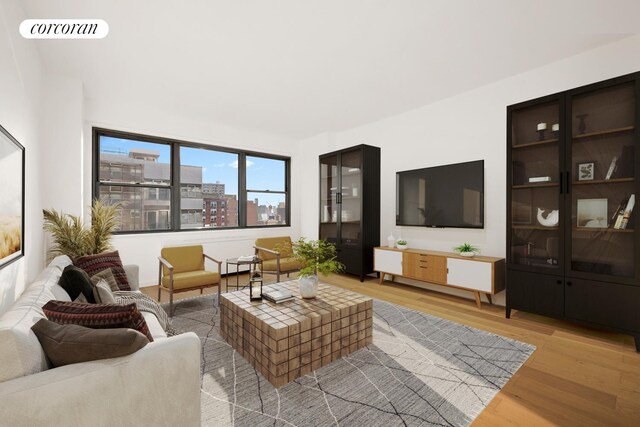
(94, 264)
(60, 262)
(97, 316)
(20, 350)
(76, 281)
(191, 279)
(155, 328)
(67, 344)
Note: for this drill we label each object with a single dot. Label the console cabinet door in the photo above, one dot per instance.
(601, 303)
(470, 274)
(388, 261)
(535, 293)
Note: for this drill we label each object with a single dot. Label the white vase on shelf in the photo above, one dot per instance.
(391, 241)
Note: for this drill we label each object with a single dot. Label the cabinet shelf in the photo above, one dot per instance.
(600, 230)
(603, 133)
(603, 181)
(534, 143)
(533, 227)
(535, 185)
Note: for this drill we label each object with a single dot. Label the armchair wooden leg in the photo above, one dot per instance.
(159, 280)
(170, 304)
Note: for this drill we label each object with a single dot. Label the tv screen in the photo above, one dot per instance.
(441, 196)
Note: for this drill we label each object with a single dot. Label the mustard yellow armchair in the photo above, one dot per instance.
(181, 269)
(277, 255)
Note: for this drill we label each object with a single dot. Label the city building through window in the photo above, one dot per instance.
(169, 185)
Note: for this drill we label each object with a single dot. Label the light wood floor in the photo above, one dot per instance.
(576, 377)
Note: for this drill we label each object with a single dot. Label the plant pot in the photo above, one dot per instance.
(308, 286)
(467, 254)
(401, 247)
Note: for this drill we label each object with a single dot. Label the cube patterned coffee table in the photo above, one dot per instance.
(287, 340)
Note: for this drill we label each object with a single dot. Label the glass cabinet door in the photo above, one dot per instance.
(350, 197)
(602, 178)
(329, 182)
(536, 190)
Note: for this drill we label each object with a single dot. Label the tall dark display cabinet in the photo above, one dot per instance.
(572, 183)
(350, 205)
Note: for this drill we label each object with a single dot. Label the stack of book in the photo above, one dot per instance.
(621, 216)
(277, 297)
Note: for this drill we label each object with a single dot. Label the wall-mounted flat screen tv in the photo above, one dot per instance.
(441, 196)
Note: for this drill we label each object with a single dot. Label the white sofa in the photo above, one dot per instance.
(157, 385)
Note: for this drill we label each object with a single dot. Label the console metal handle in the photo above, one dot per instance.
(569, 283)
(559, 282)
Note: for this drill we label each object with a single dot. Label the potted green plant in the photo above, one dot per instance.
(467, 250)
(72, 238)
(401, 244)
(315, 256)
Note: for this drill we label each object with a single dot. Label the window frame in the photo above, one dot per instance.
(174, 179)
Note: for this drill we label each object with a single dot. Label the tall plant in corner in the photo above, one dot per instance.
(72, 238)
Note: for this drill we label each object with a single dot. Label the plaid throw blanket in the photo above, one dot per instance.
(145, 303)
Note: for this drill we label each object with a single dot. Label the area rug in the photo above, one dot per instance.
(421, 370)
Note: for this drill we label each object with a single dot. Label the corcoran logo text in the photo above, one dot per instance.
(64, 29)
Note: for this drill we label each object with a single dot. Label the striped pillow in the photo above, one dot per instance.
(94, 264)
(97, 316)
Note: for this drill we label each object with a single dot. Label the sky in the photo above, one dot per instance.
(262, 173)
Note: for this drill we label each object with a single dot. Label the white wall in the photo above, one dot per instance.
(20, 76)
(147, 119)
(469, 126)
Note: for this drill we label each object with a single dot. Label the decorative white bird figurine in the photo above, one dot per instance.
(551, 220)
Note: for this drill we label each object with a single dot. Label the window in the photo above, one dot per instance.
(266, 191)
(201, 168)
(168, 185)
(135, 174)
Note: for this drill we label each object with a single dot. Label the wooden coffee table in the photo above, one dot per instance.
(287, 340)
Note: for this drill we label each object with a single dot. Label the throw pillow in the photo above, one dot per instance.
(75, 281)
(81, 299)
(97, 316)
(107, 275)
(102, 293)
(94, 264)
(66, 344)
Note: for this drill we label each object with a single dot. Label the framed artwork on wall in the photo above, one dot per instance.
(11, 198)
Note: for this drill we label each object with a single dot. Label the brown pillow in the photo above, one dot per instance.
(66, 344)
(97, 316)
(108, 276)
(94, 264)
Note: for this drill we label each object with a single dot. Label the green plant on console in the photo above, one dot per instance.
(316, 256)
(72, 238)
(401, 242)
(466, 247)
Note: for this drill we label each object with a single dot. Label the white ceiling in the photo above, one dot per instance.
(302, 67)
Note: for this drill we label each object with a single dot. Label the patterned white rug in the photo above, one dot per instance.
(421, 370)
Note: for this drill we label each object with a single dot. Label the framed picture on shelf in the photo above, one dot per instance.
(11, 198)
(592, 213)
(586, 171)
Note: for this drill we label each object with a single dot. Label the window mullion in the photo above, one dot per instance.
(175, 187)
(242, 190)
